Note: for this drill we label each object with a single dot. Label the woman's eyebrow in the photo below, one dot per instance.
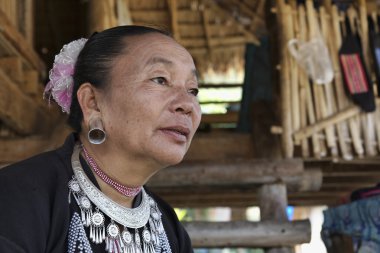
(155, 60)
(196, 74)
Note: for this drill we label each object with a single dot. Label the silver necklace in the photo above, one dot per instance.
(94, 205)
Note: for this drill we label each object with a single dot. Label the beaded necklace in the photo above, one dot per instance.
(125, 190)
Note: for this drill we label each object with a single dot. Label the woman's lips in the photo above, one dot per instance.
(179, 133)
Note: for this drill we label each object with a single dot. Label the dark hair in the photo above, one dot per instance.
(94, 62)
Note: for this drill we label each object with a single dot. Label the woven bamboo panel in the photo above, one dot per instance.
(321, 120)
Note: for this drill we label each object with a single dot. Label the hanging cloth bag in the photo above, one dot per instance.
(374, 36)
(355, 75)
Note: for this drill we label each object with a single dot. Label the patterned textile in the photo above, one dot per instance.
(359, 219)
(77, 239)
(354, 73)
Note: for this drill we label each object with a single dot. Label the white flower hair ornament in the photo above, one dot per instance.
(61, 82)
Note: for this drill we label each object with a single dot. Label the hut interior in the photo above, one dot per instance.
(301, 131)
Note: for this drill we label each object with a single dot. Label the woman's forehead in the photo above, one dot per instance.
(156, 47)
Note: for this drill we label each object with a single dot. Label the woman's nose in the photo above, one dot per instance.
(183, 102)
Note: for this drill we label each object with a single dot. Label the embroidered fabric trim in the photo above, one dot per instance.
(130, 230)
(77, 239)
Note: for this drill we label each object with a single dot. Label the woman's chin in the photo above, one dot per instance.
(171, 159)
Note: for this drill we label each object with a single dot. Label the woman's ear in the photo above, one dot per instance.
(88, 102)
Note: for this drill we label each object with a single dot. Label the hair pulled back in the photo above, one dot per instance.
(95, 60)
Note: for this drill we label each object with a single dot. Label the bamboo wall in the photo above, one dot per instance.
(321, 120)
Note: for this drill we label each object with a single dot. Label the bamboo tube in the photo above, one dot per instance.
(294, 79)
(305, 83)
(342, 100)
(284, 23)
(342, 129)
(285, 84)
(319, 96)
(329, 90)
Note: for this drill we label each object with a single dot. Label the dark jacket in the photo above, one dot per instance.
(34, 209)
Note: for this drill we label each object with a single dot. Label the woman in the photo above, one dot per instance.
(131, 95)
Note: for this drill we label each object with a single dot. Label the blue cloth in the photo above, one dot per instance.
(359, 219)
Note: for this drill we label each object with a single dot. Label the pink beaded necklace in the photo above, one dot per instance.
(125, 190)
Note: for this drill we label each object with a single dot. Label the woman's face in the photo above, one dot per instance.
(152, 111)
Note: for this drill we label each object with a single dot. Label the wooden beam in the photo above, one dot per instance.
(162, 17)
(248, 234)
(217, 49)
(249, 36)
(150, 16)
(233, 198)
(13, 39)
(12, 66)
(229, 117)
(247, 10)
(20, 112)
(214, 41)
(220, 146)
(16, 149)
(31, 85)
(220, 85)
(238, 174)
(219, 102)
(206, 21)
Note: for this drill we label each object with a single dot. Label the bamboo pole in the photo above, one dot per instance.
(342, 129)
(345, 114)
(329, 92)
(305, 83)
(294, 79)
(285, 24)
(319, 96)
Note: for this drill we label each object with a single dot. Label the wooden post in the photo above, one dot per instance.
(273, 203)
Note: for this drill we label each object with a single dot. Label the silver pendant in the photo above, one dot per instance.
(113, 242)
(97, 230)
(86, 210)
(74, 189)
(138, 248)
(127, 240)
(148, 242)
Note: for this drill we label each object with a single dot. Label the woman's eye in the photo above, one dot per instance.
(194, 91)
(160, 80)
